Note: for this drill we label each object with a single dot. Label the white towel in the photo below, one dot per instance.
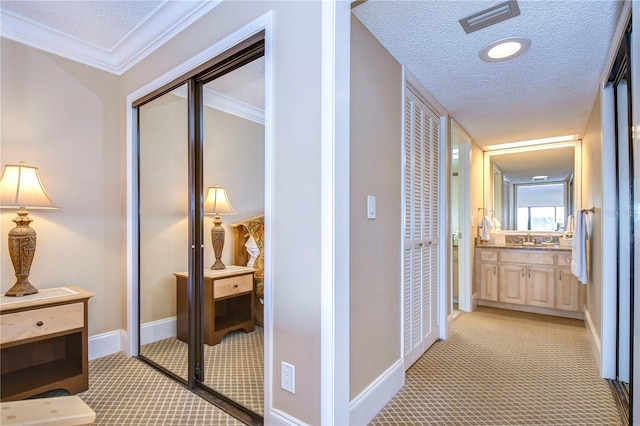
(252, 250)
(570, 224)
(485, 225)
(496, 224)
(579, 248)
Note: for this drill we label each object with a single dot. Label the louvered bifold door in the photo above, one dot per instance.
(432, 227)
(420, 258)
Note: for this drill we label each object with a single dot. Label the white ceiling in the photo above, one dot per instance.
(547, 91)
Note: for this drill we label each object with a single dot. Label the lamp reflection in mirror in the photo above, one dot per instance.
(217, 202)
(21, 188)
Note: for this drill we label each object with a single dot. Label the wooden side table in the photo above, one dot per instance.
(44, 343)
(227, 306)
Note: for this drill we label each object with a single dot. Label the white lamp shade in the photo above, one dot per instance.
(20, 186)
(217, 201)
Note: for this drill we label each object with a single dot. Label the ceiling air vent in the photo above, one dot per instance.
(488, 17)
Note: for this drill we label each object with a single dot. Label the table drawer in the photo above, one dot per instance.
(490, 255)
(564, 259)
(41, 322)
(527, 257)
(226, 287)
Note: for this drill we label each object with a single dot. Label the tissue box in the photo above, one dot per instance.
(498, 239)
(565, 241)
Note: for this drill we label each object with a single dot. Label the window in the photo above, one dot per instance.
(540, 207)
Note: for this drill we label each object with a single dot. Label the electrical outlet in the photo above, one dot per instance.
(288, 377)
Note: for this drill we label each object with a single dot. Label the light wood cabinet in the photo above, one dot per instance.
(513, 284)
(534, 280)
(489, 281)
(541, 286)
(44, 343)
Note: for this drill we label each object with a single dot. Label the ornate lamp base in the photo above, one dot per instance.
(22, 247)
(217, 239)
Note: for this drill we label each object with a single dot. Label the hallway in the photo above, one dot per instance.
(504, 367)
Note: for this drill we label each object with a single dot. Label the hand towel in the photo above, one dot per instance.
(579, 248)
(496, 224)
(570, 224)
(485, 226)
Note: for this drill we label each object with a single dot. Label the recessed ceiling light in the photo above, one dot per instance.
(537, 178)
(504, 49)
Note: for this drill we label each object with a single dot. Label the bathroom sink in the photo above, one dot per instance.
(528, 243)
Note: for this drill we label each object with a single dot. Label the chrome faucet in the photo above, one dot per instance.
(528, 237)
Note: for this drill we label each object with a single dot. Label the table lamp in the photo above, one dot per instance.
(217, 203)
(21, 188)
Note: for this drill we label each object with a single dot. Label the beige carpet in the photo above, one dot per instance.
(504, 367)
(234, 367)
(124, 391)
(497, 368)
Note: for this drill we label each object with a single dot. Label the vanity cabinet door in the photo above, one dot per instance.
(489, 281)
(513, 280)
(541, 286)
(568, 295)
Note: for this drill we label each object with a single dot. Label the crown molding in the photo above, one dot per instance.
(233, 106)
(225, 103)
(168, 20)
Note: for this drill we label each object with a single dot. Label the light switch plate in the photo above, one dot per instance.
(371, 206)
(288, 377)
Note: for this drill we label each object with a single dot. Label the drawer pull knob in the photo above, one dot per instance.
(39, 323)
(567, 260)
(235, 286)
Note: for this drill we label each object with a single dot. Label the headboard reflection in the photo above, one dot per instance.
(241, 235)
(243, 230)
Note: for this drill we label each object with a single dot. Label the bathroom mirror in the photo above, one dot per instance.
(532, 188)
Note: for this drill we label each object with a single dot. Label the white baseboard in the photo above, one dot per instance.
(281, 418)
(116, 341)
(596, 345)
(105, 344)
(157, 330)
(369, 402)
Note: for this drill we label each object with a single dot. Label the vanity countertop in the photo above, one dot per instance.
(526, 247)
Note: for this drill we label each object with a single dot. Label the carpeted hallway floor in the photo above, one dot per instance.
(497, 368)
(504, 367)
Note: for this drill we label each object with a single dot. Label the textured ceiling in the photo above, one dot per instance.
(106, 34)
(245, 84)
(547, 91)
(101, 23)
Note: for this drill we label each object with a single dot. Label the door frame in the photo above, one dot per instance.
(465, 265)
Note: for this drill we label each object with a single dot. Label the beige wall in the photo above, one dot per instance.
(375, 272)
(295, 222)
(63, 117)
(592, 197)
(476, 202)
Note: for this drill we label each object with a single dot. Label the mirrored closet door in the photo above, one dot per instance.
(201, 203)
(163, 226)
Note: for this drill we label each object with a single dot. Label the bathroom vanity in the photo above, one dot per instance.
(531, 278)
